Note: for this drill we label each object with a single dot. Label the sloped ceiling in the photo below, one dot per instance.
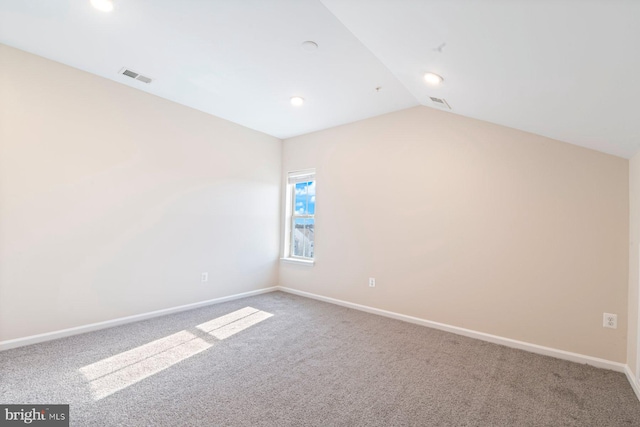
(566, 69)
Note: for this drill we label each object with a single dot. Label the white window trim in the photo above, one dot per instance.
(301, 261)
(291, 179)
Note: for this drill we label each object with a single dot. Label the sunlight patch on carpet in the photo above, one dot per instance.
(226, 326)
(118, 372)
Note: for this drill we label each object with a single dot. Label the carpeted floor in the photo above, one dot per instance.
(281, 360)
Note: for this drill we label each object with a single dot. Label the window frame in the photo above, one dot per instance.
(293, 178)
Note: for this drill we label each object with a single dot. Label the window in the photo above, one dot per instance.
(301, 210)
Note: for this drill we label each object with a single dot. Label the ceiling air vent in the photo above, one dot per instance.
(439, 102)
(127, 72)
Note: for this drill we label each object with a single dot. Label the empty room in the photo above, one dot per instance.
(319, 213)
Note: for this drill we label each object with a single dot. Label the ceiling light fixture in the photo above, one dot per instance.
(433, 79)
(297, 101)
(103, 5)
(309, 45)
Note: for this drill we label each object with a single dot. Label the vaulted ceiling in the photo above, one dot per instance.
(565, 69)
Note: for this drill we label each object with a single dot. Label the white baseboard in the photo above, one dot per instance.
(533, 348)
(34, 339)
(633, 381)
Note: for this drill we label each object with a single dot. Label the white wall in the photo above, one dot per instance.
(113, 201)
(470, 224)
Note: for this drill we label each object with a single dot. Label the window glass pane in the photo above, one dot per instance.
(309, 228)
(311, 197)
(297, 244)
(303, 237)
(305, 198)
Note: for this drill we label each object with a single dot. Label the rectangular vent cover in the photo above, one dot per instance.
(137, 76)
(440, 103)
(144, 79)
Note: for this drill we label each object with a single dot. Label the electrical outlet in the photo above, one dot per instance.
(205, 277)
(610, 320)
(372, 282)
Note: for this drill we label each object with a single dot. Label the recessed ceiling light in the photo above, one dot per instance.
(297, 101)
(433, 78)
(309, 45)
(103, 5)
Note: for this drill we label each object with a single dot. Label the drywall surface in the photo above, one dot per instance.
(470, 224)
(114, 201)
(634, 265)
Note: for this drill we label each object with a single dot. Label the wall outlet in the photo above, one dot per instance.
(205, 277)
(610, 320)
(372, 282)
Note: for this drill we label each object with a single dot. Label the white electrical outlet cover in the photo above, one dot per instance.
(610, 320)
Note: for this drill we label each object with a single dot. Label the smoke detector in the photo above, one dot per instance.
(134, 75)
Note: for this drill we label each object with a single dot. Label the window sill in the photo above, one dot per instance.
(307, 262)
